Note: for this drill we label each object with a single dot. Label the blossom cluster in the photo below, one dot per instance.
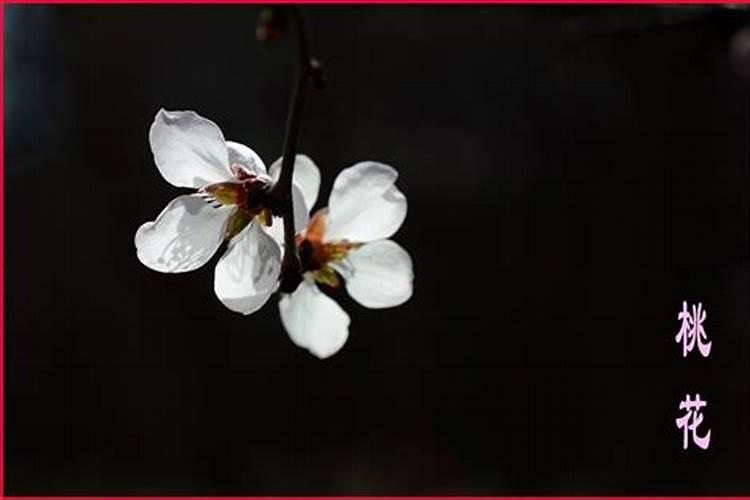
(346, 241)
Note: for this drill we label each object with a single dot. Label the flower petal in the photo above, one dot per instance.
(379, 274)
(314, 321)
(301, 208)
(189, 150)
(276, 231)
(183, 237)
(248, 272)
(306, 176)
(243, 155)
(365, 205)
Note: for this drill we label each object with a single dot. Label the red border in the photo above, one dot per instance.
(2, 247)
(2, 234)
(227, 2)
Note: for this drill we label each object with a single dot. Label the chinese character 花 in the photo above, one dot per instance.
(691, 420)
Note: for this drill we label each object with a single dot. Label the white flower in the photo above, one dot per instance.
(349, 240)
(190, 151)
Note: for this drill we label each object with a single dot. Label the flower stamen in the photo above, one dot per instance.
(244, 192)
(316, 254)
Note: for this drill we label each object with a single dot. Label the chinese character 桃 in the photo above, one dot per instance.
(692, 331)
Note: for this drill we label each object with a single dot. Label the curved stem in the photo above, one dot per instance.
(291, 268)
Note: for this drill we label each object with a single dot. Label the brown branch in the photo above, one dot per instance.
(291, 269)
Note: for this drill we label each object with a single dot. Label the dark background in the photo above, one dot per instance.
(573, 174)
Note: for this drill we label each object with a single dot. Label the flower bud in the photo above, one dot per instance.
(317, 75)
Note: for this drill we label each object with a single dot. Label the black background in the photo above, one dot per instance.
(573, 174)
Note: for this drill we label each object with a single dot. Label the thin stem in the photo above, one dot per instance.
(291, 267)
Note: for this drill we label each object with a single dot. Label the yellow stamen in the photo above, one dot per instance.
(227, 193)
(327, 276)
(265, 217)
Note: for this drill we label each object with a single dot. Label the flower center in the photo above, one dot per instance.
(245, 192)
(316, 254)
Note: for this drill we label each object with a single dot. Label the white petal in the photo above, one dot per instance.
(365, 205)
(301, 209)
(314, 321)
(301, 216)
(189, 150)
(247, 273)
(276, 231)
(243, 155)
(306, 176)
(183, 237)
(378, 274)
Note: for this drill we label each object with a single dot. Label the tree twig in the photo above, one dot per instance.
(291, 267)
